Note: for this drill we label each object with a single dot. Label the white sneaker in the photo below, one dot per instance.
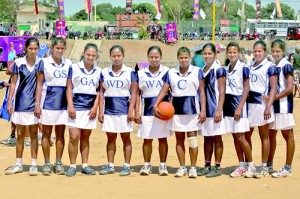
(193, 172)
(238, 172)
(250, 172)
(264, 172)
(163, 171)
(13, 170)
(281, 173)
(146, 170)
(182, 171)
(33, 170)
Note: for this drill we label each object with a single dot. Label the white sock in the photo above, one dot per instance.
(19, 161)
(111, 164)
(73, 166)
(162, 164)
(147, 164)
(33, 162)
(242, 164)
(84, 165)
(263, 164)
(126, 164)
(251, 164)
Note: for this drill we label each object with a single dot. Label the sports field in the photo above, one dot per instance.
(153, 186)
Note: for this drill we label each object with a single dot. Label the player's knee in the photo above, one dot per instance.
(193, 142)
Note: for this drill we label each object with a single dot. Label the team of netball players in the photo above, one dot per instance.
(210, 102)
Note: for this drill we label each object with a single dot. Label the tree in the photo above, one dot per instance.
(144, 8)
(287, 11)
(8, 10)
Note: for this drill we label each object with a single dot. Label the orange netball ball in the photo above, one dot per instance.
(166, 110)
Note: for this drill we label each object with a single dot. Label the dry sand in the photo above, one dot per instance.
(153, 186)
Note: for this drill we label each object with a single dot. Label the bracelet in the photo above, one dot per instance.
(9, 101)
(36, 103)
(155, 105)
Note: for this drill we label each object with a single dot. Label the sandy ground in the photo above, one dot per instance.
(153, 186)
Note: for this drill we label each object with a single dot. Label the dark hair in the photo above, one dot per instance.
(117, 47)
(31, 40)
(183, 49)
(261, 43)
(280, 43)
(154, 48)
(58, 40)
(233, 44)
(88, 46)
(211, 46)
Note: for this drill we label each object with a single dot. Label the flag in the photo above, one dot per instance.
(88, 6)
(279, 12)
(224, 6)
(44, 48)
(61, 9)
(157, 6)
(202, 14)
(273, 14)
(258, 6)
(35, 8)
(128, 9)
(196, 10)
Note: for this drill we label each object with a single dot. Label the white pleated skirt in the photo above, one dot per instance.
(256, 115)
(116, 124)
(283, 121)
(153, 128)
(210, 128)
(82, 121)
(54, 117)
(234, 126)
(184, 123)
(24, 118)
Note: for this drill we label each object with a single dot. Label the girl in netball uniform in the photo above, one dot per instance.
(235, 111)
(186, 83)
(263, 81)
(150, 83)
(83, 101)
(283, 109)
(118, 89)
(54, 71)
(214, 126)
(22, 89)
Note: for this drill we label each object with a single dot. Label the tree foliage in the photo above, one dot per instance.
(8, 10)
(287, 11)
(144, 8)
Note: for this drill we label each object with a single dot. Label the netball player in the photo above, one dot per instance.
(235, 110)
(214, 126)
(186, 83)
(283, 109)
(263, 81)
(118, 89)
(83, 102)
(22, 89)
(53, 71)
(150, 83)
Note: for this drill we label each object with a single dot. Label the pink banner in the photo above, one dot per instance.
(61, 28)
(258, 6)
(171, 32)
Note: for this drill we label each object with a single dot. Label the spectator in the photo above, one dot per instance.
(198, 59)
(295, 61)
(1, 30)
(249, 57)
